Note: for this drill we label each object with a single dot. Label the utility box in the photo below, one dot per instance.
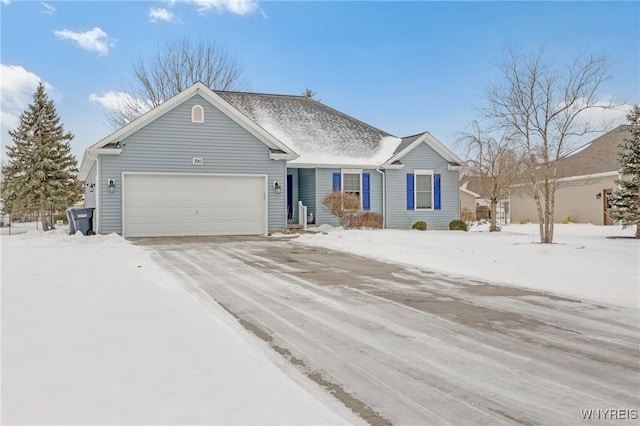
(80, 219)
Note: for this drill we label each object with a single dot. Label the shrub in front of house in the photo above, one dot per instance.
(347, 209)
(457, 225)
(568, 219)
(420, 225)
(342, 205)
(369, 220)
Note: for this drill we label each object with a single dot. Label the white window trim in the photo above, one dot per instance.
(193, 109)
(352, 172)
(417, 173)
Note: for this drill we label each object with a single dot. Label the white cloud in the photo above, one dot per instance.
(606, 113)
(47, 8)
(120, 102)
(94, 40)
(160, 14)
(239, 7)
(5, 1)
(17, 86)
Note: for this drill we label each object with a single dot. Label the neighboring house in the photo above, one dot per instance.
(477, 185)
(586, 180)
(468, 204)
(228, 163)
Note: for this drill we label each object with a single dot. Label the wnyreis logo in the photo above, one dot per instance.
(609, 414)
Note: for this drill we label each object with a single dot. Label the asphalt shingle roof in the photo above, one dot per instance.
(598, 156)
(318, 133)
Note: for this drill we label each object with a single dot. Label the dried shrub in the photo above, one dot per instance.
(568, 219)
(346, 207)
(457, 225)
(364, 220)
(420, 225)
(343, 206)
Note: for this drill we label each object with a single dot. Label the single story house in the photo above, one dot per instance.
(211, 162)
(586, 179)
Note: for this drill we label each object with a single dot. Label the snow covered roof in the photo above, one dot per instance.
(319, 134)
(298, 129)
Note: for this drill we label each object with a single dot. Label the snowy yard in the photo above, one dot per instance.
(583, 263)
(94, 332)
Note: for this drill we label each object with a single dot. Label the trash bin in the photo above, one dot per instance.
(82, 220)
(72, 229)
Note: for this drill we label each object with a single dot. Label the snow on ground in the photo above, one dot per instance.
(94, 332)
(582, 263)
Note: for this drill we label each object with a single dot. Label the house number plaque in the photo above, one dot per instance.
(198, 161)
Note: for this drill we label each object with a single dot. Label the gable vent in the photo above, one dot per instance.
(197, 114)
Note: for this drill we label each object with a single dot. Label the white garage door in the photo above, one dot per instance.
(183, 205)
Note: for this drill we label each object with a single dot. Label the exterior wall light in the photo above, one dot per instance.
(277, 187)
(111, 184)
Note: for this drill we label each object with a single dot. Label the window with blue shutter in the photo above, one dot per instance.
(409, 191)
(366, 192)
(336, 181)
(436, 192)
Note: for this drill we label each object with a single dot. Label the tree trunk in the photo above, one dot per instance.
(638, 230)
(547, 237)
(494, 226)
(536, 197)
(45, 220)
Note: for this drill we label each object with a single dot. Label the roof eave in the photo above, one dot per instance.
(282, 156)
(435, 144)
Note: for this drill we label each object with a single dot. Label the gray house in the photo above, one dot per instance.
(228, 163)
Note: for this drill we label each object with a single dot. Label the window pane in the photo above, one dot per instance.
(351, 183)
(423, 182)
(423, 200)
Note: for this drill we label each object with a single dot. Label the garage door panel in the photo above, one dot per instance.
(178, 205)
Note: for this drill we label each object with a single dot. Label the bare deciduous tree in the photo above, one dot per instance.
(543, 108)
(175, 67)
(496, 163)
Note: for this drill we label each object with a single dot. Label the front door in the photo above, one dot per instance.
(289, 197)
(606, 205)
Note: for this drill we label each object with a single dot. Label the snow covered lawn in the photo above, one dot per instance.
(94, 332)
(582, 263)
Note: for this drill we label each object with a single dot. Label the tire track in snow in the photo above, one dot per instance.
(359, 333)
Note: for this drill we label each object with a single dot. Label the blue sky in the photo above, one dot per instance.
(403, 67)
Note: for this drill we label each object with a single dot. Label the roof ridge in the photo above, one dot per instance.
(313, 100)
(261, 94)
(417, 134)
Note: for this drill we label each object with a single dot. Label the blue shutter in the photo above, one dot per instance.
(436, 192)
(336, 181)
(366, 193)
(409, 191)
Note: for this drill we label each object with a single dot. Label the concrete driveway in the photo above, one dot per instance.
(409, 346)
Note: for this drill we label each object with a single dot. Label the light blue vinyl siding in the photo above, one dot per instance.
(324, 185)
(422, 157)
(168, 145)
(90, 196)
(307, 189)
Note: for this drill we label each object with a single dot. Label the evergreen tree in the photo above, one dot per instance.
(625, 202)
(40, 173)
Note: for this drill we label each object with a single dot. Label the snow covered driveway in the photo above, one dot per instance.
(415, 346)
